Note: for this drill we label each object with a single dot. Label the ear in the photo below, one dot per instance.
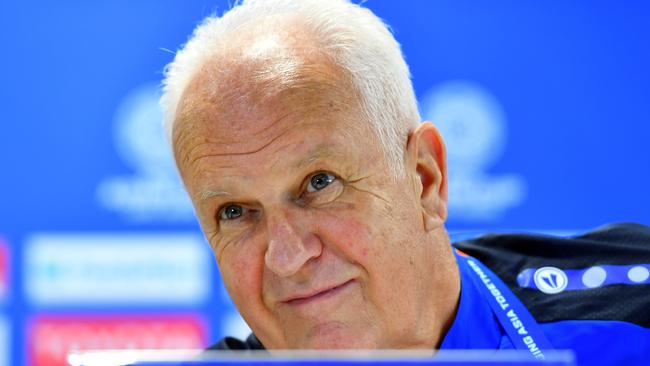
(427, 163)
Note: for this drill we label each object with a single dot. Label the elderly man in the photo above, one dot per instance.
(296, 132)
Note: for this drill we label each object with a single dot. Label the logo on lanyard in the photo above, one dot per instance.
(550, 280)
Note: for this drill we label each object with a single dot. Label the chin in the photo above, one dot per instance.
(336, 336)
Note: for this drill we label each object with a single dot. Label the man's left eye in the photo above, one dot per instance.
(320, 181)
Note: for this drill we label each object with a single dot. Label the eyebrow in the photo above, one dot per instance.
(318, 154)
(206, 194)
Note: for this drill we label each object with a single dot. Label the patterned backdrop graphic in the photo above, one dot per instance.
(544, 106)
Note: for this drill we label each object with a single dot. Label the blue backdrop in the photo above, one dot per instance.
(545, 107)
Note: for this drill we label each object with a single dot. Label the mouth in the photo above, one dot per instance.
(318, 295)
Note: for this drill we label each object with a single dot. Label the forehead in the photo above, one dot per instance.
(240, 127)
(249, 95)
(308, 112)
(242, 115)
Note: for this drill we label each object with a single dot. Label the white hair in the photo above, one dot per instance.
(356, 39)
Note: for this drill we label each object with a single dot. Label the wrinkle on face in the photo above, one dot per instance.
(191, 144)
(302, 107)
(374, 194)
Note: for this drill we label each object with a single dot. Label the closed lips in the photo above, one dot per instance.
(315, 295)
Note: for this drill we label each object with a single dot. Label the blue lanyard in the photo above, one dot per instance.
(520, 326)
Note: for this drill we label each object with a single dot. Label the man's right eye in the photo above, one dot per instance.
(231, 212)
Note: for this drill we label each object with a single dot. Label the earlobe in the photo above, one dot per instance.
(426, 151)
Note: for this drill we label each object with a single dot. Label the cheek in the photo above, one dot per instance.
(364, 227)
(379, 237)
(350, 233)
(241, 271)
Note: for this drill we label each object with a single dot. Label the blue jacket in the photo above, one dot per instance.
(596, 301)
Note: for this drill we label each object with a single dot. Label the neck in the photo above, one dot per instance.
(439, 289)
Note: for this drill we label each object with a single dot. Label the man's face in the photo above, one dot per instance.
(318, 245)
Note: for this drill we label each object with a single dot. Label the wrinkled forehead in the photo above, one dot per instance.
(228, 94)
(260, 88)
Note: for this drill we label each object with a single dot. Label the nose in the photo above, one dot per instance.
(290, 245)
